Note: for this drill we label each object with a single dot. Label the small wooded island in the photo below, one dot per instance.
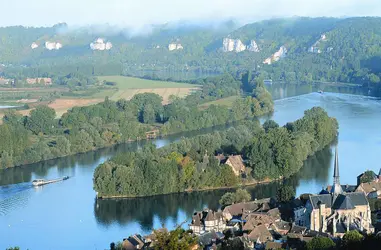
(254, 153)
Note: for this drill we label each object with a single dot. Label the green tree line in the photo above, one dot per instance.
(271, 152)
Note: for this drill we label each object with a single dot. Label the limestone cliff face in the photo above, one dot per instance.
(100, 44)
(175, 46)
(253, 46)
(236, 45)
(315, 48)
(53, 45)
(276, 56)
(34, 45)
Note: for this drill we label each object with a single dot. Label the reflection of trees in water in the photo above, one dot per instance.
(143, 210)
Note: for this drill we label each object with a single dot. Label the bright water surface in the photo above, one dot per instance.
(66, 215)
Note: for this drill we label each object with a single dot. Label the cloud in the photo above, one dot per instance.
(137, 14)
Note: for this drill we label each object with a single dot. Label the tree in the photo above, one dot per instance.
(352, 240)
(368, 176)
(173, 240)
(148, 114)
(240, 195)
(269, 124)
(227, 199)
(41, 120)
(285, 193)
(320, 243)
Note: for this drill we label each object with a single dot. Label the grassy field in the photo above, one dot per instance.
(125, 88)
(129, 86)
(228, 102)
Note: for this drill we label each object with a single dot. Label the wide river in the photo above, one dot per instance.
(66, 215)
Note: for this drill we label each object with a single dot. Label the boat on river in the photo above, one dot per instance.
(40, 182)
(321, 91)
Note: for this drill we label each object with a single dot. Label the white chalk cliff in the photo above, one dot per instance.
(276, 56)
(100, 44)
(235, 45)
(34, 45)
(315, 47)
(53, 45)
(253, 46)
(175, 46)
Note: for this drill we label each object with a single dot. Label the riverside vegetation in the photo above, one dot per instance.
(40, 136)
(271, 151)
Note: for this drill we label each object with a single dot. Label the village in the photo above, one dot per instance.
(270, 224)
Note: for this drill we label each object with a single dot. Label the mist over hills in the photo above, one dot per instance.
(288, 49)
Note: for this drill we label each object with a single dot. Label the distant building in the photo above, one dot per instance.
(338, 212)
(43, 80)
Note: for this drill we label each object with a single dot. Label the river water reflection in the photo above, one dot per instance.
(66, 215)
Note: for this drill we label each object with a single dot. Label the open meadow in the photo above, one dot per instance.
(130, 86)
(62, 99)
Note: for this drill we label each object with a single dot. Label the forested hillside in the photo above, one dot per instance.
(315, 49)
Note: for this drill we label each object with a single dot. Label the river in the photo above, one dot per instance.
(66, 215)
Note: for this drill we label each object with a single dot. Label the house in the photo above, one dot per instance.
(239, 210)
(5, 81)
(281, 227)
(256, 219)
(300, 215)
(236, 163)
(207, 221)
(133, 242)
(374, 177)
(44, 80)
(338, 211)
(210, 240)
(346, 188)
(370, 189)
(260, 235)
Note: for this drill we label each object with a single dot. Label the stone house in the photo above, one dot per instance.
(234, 161)
(368, 188)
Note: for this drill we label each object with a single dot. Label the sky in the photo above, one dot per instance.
(138, 13)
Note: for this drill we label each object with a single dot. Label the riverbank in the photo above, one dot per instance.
(249, 184)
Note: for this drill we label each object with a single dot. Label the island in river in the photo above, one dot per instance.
(269, 151)
(71, 207)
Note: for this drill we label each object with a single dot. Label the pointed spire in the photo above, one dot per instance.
(336, 175)
(336, 189)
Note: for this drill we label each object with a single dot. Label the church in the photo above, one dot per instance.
(337, 212)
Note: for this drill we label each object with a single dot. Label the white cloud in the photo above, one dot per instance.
(137, 13)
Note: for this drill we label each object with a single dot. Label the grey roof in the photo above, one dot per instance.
(343, 202)
(356, 199)
(316, 200)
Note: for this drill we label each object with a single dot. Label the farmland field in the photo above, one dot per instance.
(63, 99)
(129, 86)
(228, 102)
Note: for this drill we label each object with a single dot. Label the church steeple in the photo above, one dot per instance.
(336, 189)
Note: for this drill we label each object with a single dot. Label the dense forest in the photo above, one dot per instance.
(40, 136)
(271, 151)
(318, 49)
